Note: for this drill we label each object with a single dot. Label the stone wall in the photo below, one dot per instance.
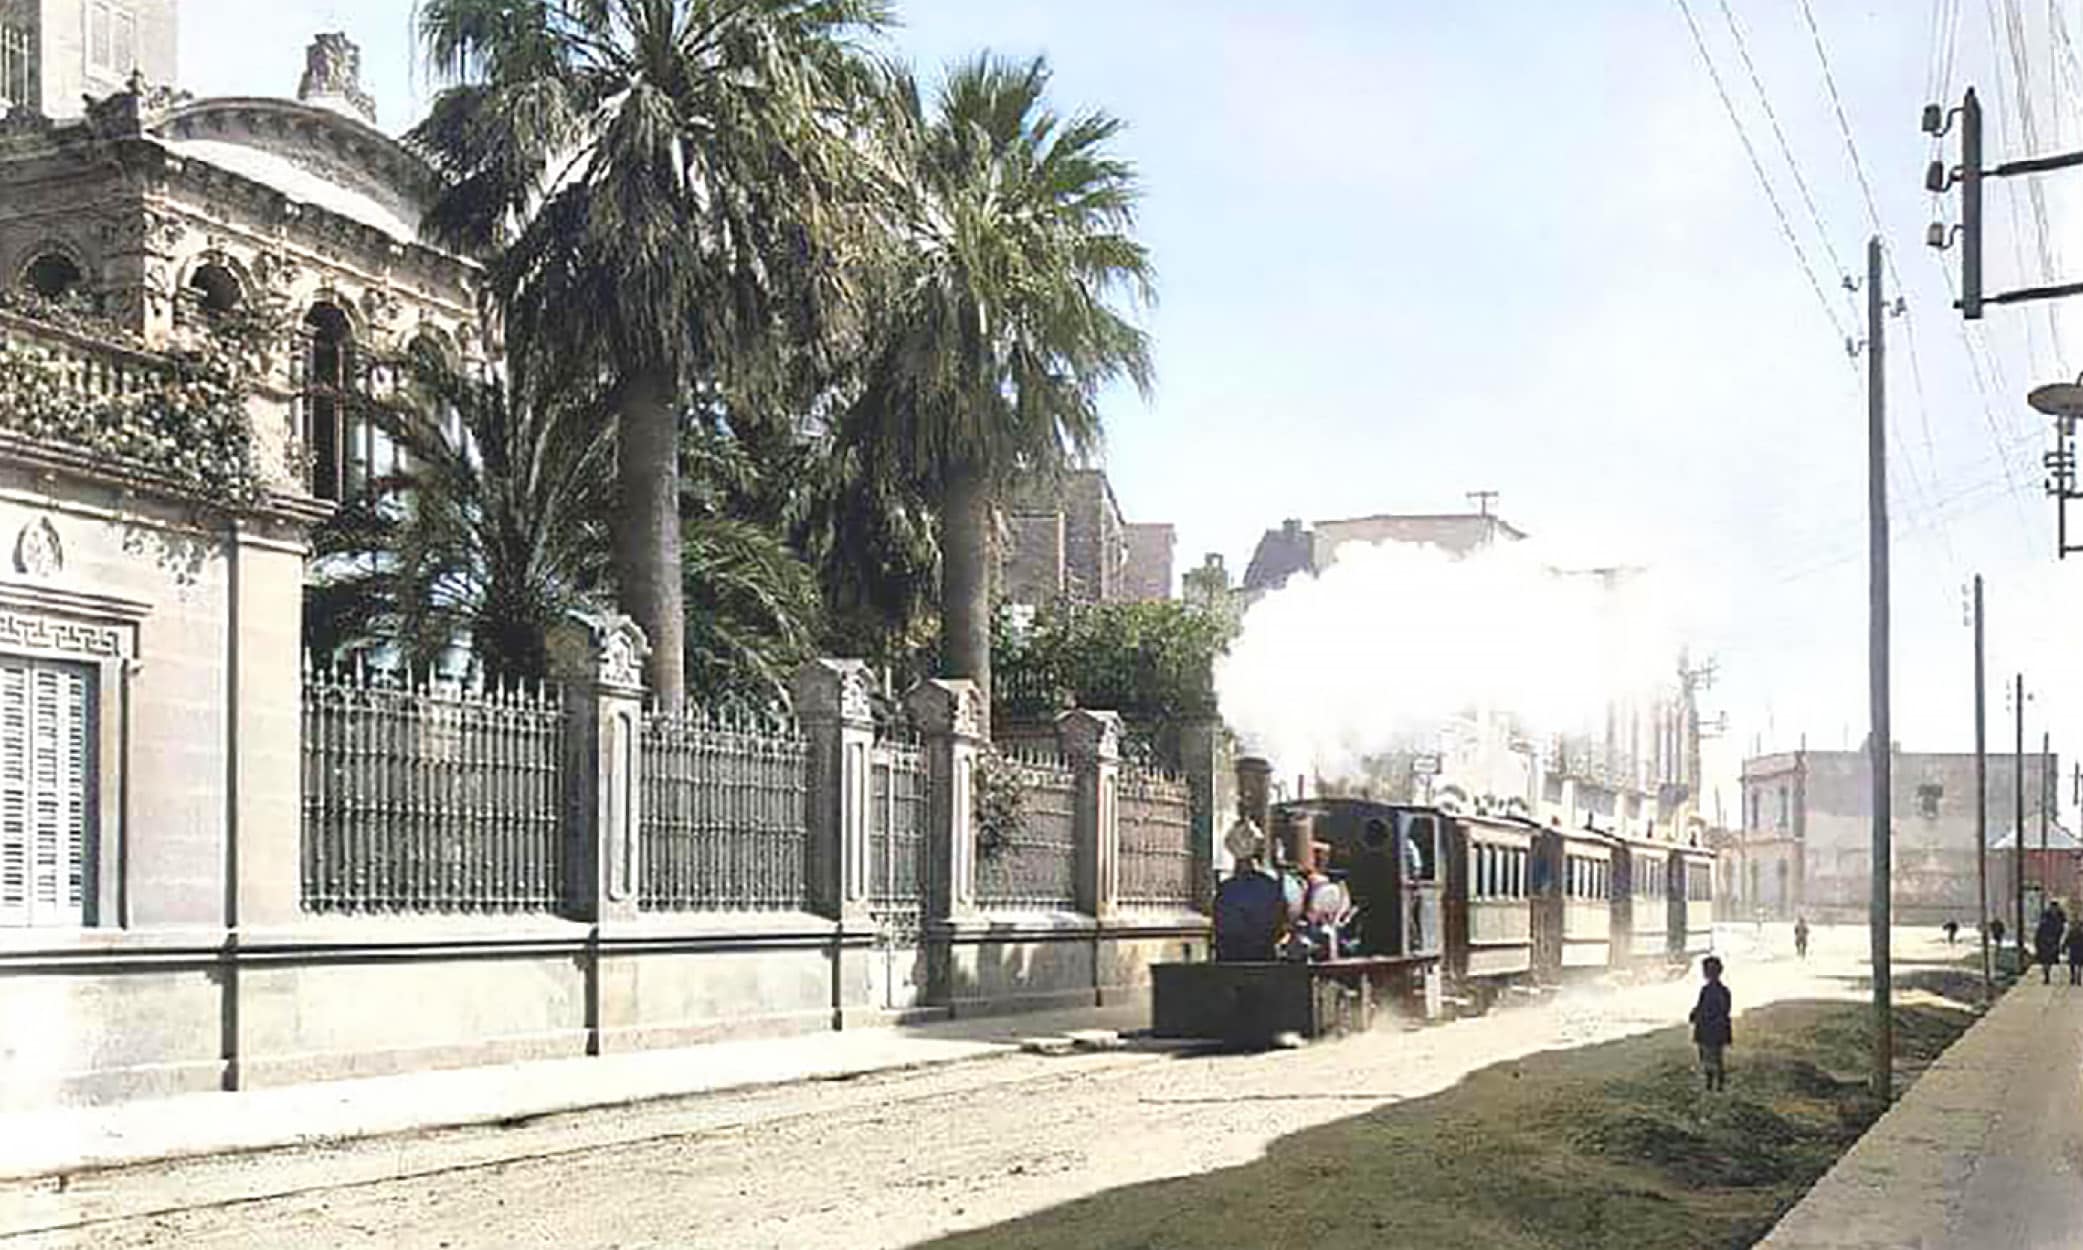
(204, 972)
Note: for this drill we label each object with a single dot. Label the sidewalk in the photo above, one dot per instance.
(57, 1140)
(1985, 1150)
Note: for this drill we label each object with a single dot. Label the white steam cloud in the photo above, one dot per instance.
(1395, 641)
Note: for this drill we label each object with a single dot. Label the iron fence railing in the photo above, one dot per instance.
(723, 820)
(897, 845)
(1033, 864)
(1155, 814)
(426, 795)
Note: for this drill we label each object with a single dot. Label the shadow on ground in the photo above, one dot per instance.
(1609, 1145)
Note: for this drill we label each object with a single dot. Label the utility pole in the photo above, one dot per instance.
(2046, 800)
(1982, 800)
(2018, 820)
(1881, 743)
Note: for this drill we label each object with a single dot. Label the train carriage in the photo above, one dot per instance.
(1691, 903)
(1571, 903)
(1489, 928)
(1641, 901)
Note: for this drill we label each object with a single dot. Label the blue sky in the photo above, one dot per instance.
(1408, 250)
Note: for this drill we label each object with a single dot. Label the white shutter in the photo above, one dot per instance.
(14, 791)
(46, 814)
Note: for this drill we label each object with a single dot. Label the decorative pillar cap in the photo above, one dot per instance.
(1088, 735)
(1254, 764)
(949, 706)
(605, 650)
(832, 690)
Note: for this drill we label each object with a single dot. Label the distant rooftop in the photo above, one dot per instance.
(1295, 548)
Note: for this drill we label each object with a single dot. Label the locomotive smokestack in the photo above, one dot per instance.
(1255, 791)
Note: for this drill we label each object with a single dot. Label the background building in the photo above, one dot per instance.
(1067, 541)
(1296, 548)
(1806, 842)
(55, 54)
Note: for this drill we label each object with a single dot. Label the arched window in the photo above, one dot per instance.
(53, 275)
(329, 438)
(214, 289)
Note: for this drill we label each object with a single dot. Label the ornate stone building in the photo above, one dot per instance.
(166, 213)
(188, 289)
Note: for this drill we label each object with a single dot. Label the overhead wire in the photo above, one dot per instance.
(1786, 150)
(1757, 168)
(1909, 335)
(2036, 192)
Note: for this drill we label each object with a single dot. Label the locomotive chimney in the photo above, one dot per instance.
(1255, 791)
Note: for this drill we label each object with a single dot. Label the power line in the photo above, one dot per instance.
(1785, 149)
(1757, 167)
(1851, 147)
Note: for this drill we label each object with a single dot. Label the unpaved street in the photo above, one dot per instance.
(872, 1162)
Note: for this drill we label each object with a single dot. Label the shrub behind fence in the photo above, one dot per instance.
(724, 823)
(430, 796)
(1035, 863)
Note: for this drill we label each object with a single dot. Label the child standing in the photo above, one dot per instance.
(1710, 1023)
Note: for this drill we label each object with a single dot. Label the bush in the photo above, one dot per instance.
(1154, 663)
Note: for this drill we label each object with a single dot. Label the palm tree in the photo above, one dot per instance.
(490, 531)
(995, 327)
(659, 186)
(494, 527)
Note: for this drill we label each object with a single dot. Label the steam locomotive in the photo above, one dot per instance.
(1499, 899)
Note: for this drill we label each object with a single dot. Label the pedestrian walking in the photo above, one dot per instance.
(1710, 1024)
(2073, 946)
(1801, 936)
(2046, 941)
(1996, 933)
(1952, 931)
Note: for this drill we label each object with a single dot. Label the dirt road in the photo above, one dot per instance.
(871, 1162)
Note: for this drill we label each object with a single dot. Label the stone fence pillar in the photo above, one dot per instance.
(949, 714)
(1091, 741)
(598, 660)
(831, 703)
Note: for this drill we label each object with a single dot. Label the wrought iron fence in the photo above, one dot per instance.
(1155, 814)
(1034, 864)
(426, 795)
(723, 822)
(897, 845)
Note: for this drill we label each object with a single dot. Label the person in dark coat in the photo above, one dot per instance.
(1710, 1024)
(2046, 941)
(2073, 947)
(1952, 931)
(1801, 937)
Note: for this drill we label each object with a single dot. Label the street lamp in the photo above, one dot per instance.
(2062, 401)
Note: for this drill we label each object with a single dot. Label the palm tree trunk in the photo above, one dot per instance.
(647, 528)
(965, 579)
